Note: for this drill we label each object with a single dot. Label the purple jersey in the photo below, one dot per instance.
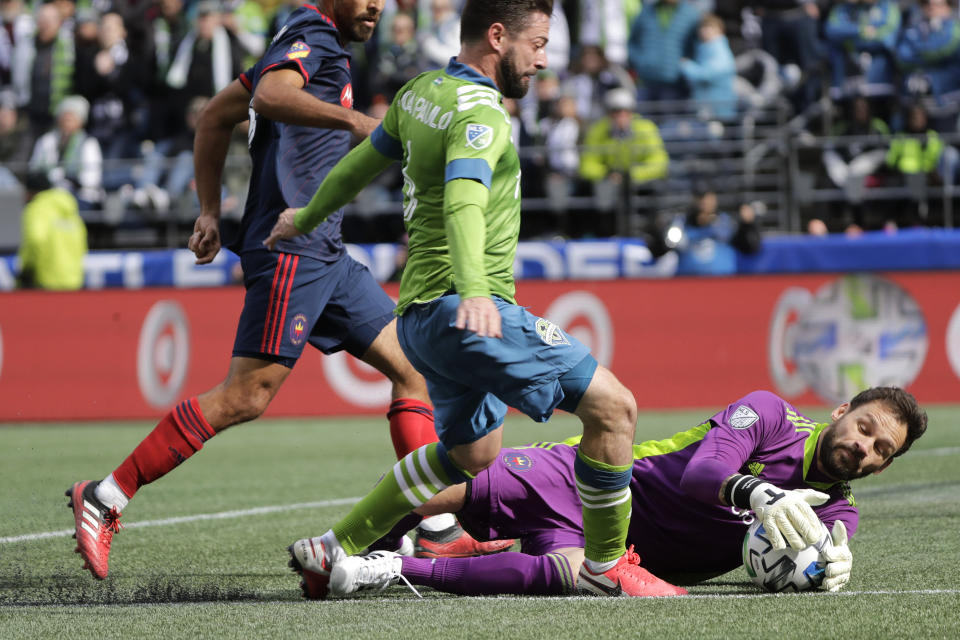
(290, 161)
(678, 524)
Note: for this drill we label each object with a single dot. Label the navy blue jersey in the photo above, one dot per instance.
(290, 161)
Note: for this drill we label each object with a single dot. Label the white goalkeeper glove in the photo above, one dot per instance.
(787, 515)
(839, 559)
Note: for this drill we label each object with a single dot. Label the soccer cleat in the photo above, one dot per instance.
(626, 578)
(377, 570)
(309, 558)
(95, 525)
(454, 542)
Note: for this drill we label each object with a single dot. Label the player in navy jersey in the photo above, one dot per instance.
(694, 495)
(298, 101)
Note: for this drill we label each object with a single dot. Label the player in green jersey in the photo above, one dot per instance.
(458, 321)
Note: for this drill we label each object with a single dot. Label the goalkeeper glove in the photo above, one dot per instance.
(786, 515)
(839, 559)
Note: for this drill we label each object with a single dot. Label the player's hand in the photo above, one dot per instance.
(839, 559)
(205, 241)
(788, 515)
(283, 229)
(479, 315)
(363, 125)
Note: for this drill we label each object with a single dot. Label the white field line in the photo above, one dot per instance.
(242, 513)
(222, 515)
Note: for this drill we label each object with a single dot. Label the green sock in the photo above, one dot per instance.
(412, 481)
(605, 493)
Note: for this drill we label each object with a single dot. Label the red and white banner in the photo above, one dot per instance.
(675, 343)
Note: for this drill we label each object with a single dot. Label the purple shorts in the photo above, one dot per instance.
(528, 493)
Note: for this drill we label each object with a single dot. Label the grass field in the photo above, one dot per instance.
(203, 555)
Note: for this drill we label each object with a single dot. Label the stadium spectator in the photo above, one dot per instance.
(326, 298)
(51, 70)
(16, 35)
(606, 24)
(662, 34)
(691, 506)
(14, 138)
(53, 238)
(709, 73)
(590, 77)
(456, 315)
(929, 54)
(440, 41)
(168, 27)
(856, 148)
(245, 20)
(561, 135)
(167, 171)
(861, 36)
(790, 32)
(401, 59)
(110, 79)
(71, 157)
(621, 150)
(710, 239)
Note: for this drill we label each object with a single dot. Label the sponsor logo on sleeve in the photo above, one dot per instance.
(297, 50)
(743, 417)
(479, 136)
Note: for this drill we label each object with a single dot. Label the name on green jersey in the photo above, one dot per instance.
(425, 111)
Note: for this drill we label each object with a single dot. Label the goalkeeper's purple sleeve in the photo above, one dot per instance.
(502, 573)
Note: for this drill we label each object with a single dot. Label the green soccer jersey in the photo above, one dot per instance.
(448, 125)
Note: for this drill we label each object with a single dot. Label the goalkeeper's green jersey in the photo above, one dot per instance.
(446, 126)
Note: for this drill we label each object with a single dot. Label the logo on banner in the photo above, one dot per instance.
(855, 332)
(518, 462)
(743, 417)
(479, 136)
(298, 329)
(163, 354)
(550, 333)
(297, 50)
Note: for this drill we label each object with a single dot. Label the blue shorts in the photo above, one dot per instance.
(292, 300)
(472, 380)
(528, 493)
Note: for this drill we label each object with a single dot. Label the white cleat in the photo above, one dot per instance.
(377, 570)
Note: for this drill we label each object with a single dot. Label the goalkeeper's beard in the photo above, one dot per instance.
(833, 463)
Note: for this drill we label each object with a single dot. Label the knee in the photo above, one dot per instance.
(243, 404)
(615, 412)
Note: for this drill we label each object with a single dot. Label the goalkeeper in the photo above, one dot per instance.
(693, 495)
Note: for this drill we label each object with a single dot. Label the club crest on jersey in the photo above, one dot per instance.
(298, 49)
(518, 462)
(479, 136)
(550, 333)
(298, 329)
(743, 417)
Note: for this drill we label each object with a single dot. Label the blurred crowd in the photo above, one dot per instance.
(103, 95)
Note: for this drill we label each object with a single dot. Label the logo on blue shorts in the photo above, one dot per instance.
(550, 333)
(298, 329)
(518, 461)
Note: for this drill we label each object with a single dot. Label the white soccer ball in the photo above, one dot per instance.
(783, 569)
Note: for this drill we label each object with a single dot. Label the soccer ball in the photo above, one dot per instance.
(783, 569)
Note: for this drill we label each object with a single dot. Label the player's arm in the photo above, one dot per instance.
(214, 127)
(341, 185)
(464, 202)
(279, 96)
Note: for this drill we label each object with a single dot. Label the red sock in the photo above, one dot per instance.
(411, 425)
(178, 436)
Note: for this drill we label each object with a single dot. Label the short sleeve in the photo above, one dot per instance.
(304, 49)
(477, 137)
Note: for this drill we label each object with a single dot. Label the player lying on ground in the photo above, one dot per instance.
(458, 321)
(307, 291)
(694, 495)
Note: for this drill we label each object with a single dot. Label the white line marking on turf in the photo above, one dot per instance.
(239, 513)
(222, 515)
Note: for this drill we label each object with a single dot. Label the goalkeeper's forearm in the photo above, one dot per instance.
(342, 184)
